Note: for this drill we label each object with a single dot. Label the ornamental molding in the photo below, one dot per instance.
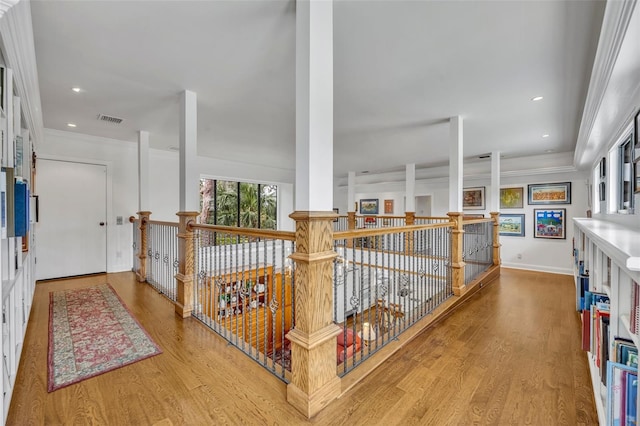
(6, 5)
(617, 16)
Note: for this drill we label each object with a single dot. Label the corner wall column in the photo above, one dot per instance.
(186, 264)
(143, 218)
(189, 176)
(457, 246)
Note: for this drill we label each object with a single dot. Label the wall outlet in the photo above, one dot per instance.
(519, 256)
(118, 220)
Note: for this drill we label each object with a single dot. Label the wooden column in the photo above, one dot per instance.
(496, 238)
(143, 218)
(186, 263)
(314, 382)
(457, 246)
(409, 219)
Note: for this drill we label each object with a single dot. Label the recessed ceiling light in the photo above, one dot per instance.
(364, 172)
(537, 98)
(549, 150)
(76, 89)
(71, 125)
(546, 135)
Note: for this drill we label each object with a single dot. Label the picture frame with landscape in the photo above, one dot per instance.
(369, 206)
(511, 225)
(512, 198)
(550, 193)
(473, 198)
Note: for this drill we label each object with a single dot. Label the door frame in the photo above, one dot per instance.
(109, 213)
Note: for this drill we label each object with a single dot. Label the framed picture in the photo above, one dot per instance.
(549, 223)
(550, 193)
(369, 206)
(473, 198)
(511, 198)
(511, 224)
(388, 206)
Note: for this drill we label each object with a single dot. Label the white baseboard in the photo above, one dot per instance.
(538, 268)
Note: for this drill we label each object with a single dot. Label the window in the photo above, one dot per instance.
(625, 173)
(242, 204)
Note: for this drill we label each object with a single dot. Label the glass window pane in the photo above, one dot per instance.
(207, 205)
(226, 203)
(248, 205)
(268, 206)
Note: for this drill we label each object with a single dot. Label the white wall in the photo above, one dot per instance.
(121, 160)
(536, 253)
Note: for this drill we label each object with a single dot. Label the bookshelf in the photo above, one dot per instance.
(17, 264)
(607, 254)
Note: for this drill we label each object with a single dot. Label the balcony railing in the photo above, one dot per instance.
(244, 290)
(359, 290)
(381, 288)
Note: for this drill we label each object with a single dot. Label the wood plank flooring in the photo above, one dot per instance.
(510, 355)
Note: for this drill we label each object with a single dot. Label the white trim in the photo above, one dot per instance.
(536, 268)
(616, 19)
(6, 5)
(16, 37)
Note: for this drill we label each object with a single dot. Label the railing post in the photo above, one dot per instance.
(351, 224)
(409, 219)
(457, 247)
(143, 218)
(186, 262)
(496, 238)
(314, 382)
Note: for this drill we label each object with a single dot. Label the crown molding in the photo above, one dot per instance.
(616, 19)
(6, 5)
(16, 37)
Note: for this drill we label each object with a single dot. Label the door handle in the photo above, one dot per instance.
(101, 223)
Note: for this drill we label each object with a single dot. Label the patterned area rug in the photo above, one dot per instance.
(92, 332)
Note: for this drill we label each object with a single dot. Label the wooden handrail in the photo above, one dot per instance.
(369, 232)
(160, 222)
(252, 232)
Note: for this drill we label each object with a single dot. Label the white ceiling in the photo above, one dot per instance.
(401, 69)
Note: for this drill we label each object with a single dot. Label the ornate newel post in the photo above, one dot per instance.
(409, 219)
(314, 382)
(186, 263)
(143, 218)
(496, 238)
(457, 246)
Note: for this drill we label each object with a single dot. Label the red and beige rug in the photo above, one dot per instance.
(92, 332)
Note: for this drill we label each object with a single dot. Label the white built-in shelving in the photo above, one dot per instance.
(609, 251)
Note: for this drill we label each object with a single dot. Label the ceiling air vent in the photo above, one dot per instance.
(110, 119)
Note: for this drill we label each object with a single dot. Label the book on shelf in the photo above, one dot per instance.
(583, 287)
(622, 393)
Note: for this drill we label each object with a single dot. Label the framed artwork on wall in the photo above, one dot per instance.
(549, 223)
(550, 193)
(511, 225)
(473, 198)
(388, 206)
(369, 206)
(511, 198)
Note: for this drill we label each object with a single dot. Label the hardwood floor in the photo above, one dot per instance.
(510, 355)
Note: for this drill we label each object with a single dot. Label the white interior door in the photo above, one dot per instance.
(71, 228)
